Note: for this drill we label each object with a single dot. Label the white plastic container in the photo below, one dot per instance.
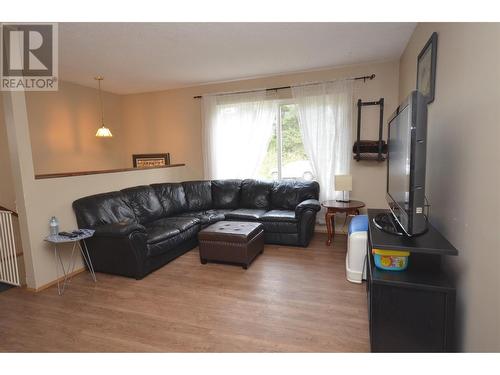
(355, 261)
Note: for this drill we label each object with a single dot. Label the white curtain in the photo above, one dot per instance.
(237, 129)
(325, 118)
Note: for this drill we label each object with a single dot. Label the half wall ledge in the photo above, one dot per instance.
(85, 173)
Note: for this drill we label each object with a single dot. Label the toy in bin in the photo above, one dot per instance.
(391, 260)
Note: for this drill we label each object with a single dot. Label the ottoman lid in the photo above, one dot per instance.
(235, 231)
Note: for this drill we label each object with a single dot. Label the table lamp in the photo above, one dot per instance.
(343, 183)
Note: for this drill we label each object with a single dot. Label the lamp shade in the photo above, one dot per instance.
(343, 182)
(103, 132)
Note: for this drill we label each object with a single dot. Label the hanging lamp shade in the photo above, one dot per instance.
(103, 131)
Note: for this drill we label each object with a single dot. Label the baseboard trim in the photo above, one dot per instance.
(54, 282)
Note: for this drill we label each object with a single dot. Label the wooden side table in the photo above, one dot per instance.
(333, 207)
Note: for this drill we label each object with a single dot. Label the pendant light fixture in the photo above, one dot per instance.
(103, 131)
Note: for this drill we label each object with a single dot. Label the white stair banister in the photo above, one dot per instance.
(9, 271)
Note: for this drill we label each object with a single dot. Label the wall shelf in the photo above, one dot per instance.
(85, 173)
(370, 157)
(364, 150)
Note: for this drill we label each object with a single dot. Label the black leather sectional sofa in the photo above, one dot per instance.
(139, 229)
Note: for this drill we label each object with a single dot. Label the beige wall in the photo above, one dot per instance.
(170, 121)
(463, 166)
(63, 126)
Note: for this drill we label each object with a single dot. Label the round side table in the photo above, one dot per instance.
(333, 207)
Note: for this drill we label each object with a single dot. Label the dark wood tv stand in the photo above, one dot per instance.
(411, 310)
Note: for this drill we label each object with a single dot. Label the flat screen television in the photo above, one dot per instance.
(406, 161)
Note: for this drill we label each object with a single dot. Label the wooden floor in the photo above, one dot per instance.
(289, 300)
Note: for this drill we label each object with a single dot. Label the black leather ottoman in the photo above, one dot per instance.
(233, 242)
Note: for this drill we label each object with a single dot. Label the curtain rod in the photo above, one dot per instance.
(364, 78)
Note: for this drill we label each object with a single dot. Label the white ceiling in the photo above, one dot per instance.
(140, 57)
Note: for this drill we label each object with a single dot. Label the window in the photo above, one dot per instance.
(286, 157)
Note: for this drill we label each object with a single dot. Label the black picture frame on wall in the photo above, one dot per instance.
(150, 160)
(426, 68)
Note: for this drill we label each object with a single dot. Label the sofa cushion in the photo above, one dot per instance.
(287, 194)
(144, 203)
(173, 243)
(180, 222)
(164, 228)
(207, 217)
(198, 195)
(171, 197)
(245, 214)
(279, 221)
(279, 215)
(157, 233)
(105, 208)
(226, 194)
(256, 194)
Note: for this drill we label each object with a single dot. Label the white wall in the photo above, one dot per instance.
(463, 164)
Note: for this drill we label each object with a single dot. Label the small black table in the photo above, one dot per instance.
(411, 310)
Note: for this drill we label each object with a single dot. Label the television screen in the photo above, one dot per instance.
(398, 183)
(406, 164)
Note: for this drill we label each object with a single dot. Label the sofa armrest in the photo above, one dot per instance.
(119, 249)
(309, 204)
(121, 229)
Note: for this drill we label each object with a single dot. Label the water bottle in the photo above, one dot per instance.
(54, 226)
